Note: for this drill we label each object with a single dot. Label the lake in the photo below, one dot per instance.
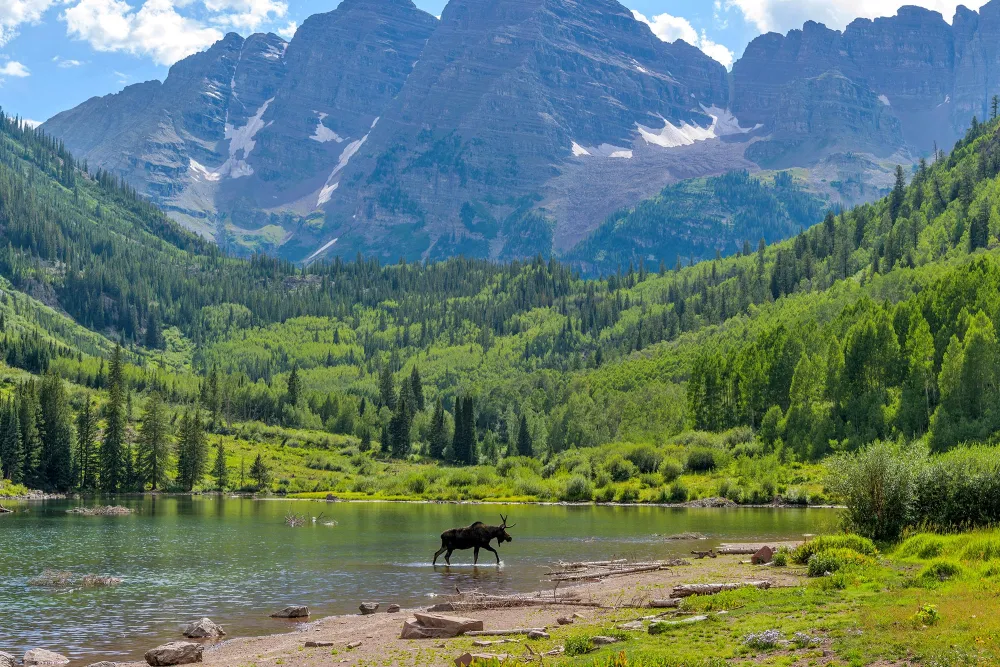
(236, 560)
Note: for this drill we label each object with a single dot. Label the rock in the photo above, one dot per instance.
(317, 644)
(763, 555)
(392, 609)
(437, 626)
(7, 660)
(441, 606)
(631, 625)
(204, 629)
(368, 608)
(601, 640)
(538, 634)
(659, 627)
(578, 615)
(353, 645)
(467, 659)
(38, 657)
(103, 663)
(292, 611)
(564, 620)
(174, 653)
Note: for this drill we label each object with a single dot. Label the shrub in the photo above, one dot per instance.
(927, 615)
(645, 457)
(678, 492)
(578, 645)
(577, 488)
(605, 494)
(461, 478)
(941, 570)
(629, 493)
(835, 560)
(670, 470)
(856, 543)
(739, 435)
(508, 466)
(701, 460)
(762, 641)
(416, 484)
(780, 558)
(879, 486)
(620, 470)
(923, 546)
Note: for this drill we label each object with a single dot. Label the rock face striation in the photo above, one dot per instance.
(513, 127)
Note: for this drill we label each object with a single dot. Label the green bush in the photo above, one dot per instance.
(942, 570)
(629, 493)
(670, 470)
(927, 615)
(701, 460)
(645, 457)
(678, 492)
(578, 645)
(605, 494)
(577, 489)
(740, 435)
(780, 558)
(835, 560)
(856, 543)
(620, 469)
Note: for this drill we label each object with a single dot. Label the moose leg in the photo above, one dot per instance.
(447, 557)
(475, 556)
(438, 553)
(494, 553)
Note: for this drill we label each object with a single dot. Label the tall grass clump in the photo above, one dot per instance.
(855, 543)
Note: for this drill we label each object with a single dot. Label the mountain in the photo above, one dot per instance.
(517, 127)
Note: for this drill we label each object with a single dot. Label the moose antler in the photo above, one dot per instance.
(504, 524)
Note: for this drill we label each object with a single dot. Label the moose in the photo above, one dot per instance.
(477, 536)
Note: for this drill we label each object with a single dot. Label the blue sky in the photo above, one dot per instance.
(55, 54)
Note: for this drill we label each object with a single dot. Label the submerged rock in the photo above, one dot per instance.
(39, 657)
(174, 653)
(204, 628)
(292, 611)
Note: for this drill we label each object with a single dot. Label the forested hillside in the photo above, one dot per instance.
(876, 323)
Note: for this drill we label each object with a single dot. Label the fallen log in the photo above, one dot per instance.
(501, 633)
(685, 590)
(607, 573)
(705, 554)
(665, 603)
(591, 563)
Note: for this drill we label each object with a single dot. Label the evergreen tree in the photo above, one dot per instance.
(399, 427)
(219, 470)
(294, 386)
(438, 439)
(386, 388)
(417, 390)
(154, 333)
(979, 230)
(87, 459)
(192, 450)
(31, 442)
(114, 449)
(259, 473)
(11, 453)
(56, 431)
(524, 445)
(459, 446)
(898, 193)
(211, 395)
(154, 445)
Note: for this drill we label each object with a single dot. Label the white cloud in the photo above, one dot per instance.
(288, 31)
(15, 12)
(65, 63)
(155, 30)
(671, 28)
(245, 14)
(31, 123)
(784, 15)
(14, 68)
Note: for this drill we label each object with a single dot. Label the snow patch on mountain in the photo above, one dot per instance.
(324, 134)
(884, 100)
(604, 150)
(349, 151)
(323, 249)
(723, 124)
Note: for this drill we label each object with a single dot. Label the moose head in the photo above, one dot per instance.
(502, 534)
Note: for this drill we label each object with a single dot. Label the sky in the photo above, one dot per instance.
(54, 54)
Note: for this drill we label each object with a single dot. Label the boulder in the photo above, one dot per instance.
(438, 626)
(467, 659)
(601, 640)
(7, 660)
(174, 653)
(763, 555)
(38, 657)
(538, 634)
(293, 611)
(632, 625)
(368, 608)
(564, 620)
(353, 645)
(103, 663)
(318, 644)
(392, 609)
(204, 629)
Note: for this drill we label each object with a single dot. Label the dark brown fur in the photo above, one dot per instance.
(476, 537)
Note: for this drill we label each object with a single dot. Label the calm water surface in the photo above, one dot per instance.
(236, 561)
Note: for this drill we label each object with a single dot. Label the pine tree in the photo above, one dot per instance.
(417, 390)
(979, 230)
(438, 435)
(459, 446)
(220, 471)
(11, 453)
(87, 460)
(154, 334)
(114, 448)
(56, 432)
(898, 193)
(259, 473)
(524, 445)
(212, 398)
(294, 386)
(192, 450)
(386, 388)
(154, 445)
(399, 427)
(31, 443)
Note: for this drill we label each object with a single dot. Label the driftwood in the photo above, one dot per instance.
(4, 510)
(501, 633)
(606, 573)
(665, 603)
(705, 554)
(750, 548)
(685, 590)
(592, 563)
(597, 570)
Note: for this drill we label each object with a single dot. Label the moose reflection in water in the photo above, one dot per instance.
(476, 537)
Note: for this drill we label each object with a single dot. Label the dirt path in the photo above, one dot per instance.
(382, 647)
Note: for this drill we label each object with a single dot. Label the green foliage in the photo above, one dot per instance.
(831, 560)
(701, 460)
(927, 615)
(856, 543)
